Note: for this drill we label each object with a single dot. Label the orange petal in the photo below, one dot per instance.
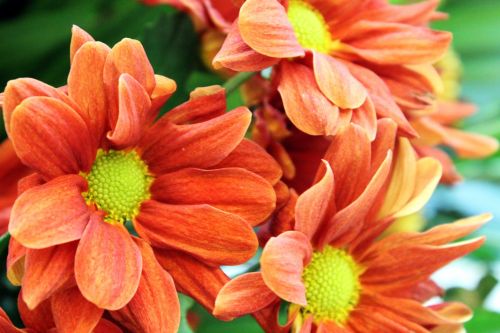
(51, 137)
(243, 295)
(265, 27)
(314, 204)
(204, 231)
(282, 270)
(6, 325)
(164, 88)
(105, 326)
(199, 145)
(470, 145)
(305, 105)
(73, 313)
(155, 307)
(232, 190)
(127, 56)
(193, 277)
(397, 44)
(78, 38)
(366, 118)
(60, 215)
(86, 86)
(15, 262)
(204, 103)
(18, 90)
(46, 271)
(250, 156)
(235, 54)
(349, 155)
(134, 107)
(39, 319)
(108, 264)
(337, 83)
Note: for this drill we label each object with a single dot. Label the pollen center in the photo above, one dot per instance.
(309, 25)
(119, 182)
(332, 285)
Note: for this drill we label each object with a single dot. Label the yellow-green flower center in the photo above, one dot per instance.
(332, 285)
(310, 26)
(119, 182)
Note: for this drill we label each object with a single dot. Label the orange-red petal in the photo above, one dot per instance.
(59, 216)
(282, 270)
(208, 233)
(78, 38)
(108, 264)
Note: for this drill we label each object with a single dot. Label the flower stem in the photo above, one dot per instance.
(4, 241)
(233, 83)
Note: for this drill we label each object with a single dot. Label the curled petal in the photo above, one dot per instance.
(51, 137)
(243, 295)
(108, 264)
(164, 88)
(15, 262)
(265, 27)
(304, 103)
(78, 38)
(60, 215)
(204, 231)
(282, 270)
(233, 190)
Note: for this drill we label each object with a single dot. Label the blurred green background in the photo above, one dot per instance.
(34, 42)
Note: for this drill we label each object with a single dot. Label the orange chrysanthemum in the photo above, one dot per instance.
(337, 60)
(334, 272)
(190, 183)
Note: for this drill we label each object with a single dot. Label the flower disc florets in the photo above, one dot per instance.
(119, 182)
(310, 26)
(332, 285)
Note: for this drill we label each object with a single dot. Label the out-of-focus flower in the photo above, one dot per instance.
(190, 183)
(11, 171)
(332, 269)
(338, 60)
(40, 320)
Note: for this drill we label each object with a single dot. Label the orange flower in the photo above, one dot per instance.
(41, 320)
(11, 170)
(100, 161)
(335, 274)
(341, 54)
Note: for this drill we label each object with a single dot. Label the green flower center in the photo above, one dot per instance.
(119, 182)
(332, 285)
(310, 26)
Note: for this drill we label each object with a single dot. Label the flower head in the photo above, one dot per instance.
(189, 184)
(335, 273)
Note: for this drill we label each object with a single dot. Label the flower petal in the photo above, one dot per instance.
(46, 271)
(204, 231)
(78, 38)
(86, 86)
(155, 306)
(134, 107)
(108, 264)
(73, 313)
(15, 262)
(470, 145)
(39, 319)
(59, 216)
(105, 326)
(282, 270)
(193, 277)
(164, 88)
(235, 54)
(305, 105)
(51, 137)
(366, 117)
(337, 83)
(314, 204)
(250, 156)
(199, 145)
(244, 294)
(232, 190)
(265, 27)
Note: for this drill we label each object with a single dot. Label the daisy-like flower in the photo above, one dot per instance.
(332, 59)
(11, 171)
(189, 183)
(336, 275)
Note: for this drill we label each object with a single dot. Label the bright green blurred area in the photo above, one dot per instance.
(34, 42)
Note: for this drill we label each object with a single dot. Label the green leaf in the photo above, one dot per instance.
(186, 304)
(484, 321)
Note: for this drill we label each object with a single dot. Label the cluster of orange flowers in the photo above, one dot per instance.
(112, 210)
